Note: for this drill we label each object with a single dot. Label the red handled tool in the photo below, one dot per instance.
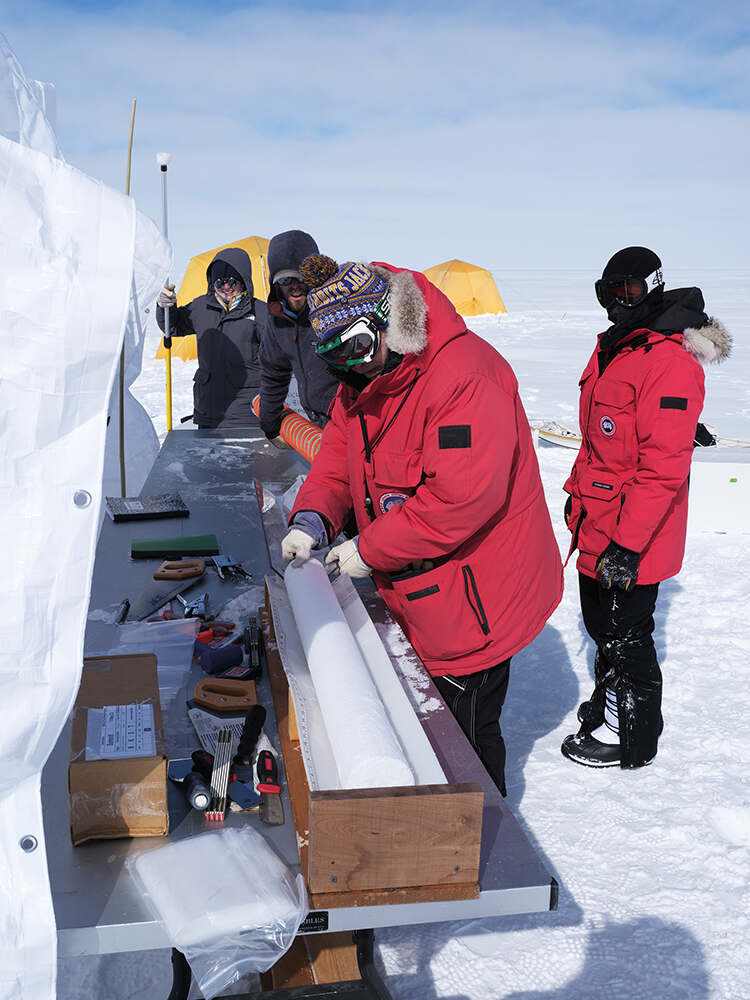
(271, 807)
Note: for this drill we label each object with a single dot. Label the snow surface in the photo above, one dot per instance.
(653, 864)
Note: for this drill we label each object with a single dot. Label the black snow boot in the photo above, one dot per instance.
(583, 748)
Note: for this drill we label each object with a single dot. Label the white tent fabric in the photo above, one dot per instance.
(26, 106)
(67, 272)
(151, 264)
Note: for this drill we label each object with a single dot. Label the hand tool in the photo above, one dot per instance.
(273, 519)
(217, 630)
(223, 695)
(251, 640)
(220, 777)
(271, 806)
(226, 562)
(197, 608)
(241, 788)
(155, 596)
(180, 569)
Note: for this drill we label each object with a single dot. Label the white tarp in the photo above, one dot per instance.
(151, 264)
(67, 268)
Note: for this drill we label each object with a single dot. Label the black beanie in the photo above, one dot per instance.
(635, 262)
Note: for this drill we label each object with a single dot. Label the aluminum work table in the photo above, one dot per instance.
(97, 905)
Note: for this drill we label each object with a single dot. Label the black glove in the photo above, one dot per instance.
(617, 567)
(567, 509)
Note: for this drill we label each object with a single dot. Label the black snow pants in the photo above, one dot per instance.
(476, 700)
(621, 623)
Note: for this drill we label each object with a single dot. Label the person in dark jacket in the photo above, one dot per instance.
(429, 443)
(641, 396)
(227, 322)
(288, 341)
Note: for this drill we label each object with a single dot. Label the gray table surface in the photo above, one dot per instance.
(97, 906)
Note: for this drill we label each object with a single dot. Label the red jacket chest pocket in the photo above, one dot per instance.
(611, 423)
(395, 476)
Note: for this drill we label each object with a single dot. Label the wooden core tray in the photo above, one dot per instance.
(369, 846)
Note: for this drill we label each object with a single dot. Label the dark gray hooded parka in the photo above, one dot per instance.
(228, 374)
(289, 345)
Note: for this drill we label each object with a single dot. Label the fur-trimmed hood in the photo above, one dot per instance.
(708, 344)
(421, 316)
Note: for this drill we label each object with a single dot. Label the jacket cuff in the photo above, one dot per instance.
(315, 524)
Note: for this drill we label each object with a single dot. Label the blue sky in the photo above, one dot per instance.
(546, 136)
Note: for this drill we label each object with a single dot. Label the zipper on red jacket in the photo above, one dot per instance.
(470, 582)
(619, 512)
(369, 506)
(368, 458)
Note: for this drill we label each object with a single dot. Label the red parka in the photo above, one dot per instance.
(437, 460)
(629, 483)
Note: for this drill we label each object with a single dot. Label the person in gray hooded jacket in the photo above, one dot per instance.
(288, 340)
(227, 322)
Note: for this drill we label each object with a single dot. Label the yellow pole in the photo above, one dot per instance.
(169, 383)
(122, 351)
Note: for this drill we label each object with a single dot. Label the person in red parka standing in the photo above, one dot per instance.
(641, 396)
(428, 442)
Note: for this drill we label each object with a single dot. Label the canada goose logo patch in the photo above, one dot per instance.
(608, 426)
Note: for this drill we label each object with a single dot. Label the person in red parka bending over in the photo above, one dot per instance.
(430, 445)
(641, 396)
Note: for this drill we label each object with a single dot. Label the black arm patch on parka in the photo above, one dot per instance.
(673, 403)
(455, 436)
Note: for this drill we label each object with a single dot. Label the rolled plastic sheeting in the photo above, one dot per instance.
(298, 432)
(367, 752)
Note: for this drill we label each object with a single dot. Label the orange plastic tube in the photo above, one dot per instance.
(298, 432)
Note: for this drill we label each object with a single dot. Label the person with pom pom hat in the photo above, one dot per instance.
(429, 444)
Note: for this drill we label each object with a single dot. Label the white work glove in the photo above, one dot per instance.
(280, 443)
(167, 298)
(346, 559)
(297, 545)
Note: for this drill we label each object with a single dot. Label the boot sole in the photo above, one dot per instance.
(588, 762)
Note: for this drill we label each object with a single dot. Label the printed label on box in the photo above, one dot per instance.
(117, 731)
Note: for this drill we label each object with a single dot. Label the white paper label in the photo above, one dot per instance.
(117, 731)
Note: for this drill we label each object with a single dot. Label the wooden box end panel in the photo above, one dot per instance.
(386, 838)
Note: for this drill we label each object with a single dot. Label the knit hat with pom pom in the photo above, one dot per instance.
(338, 295)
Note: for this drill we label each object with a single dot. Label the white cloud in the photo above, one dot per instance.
(410, 138)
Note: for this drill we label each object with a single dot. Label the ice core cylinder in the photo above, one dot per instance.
(367, 752)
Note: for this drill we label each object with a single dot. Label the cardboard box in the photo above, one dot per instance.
(117, 775)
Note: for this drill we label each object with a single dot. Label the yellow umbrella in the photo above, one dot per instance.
(194, 284)
(471, 289)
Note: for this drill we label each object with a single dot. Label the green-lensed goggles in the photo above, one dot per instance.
(358, 343)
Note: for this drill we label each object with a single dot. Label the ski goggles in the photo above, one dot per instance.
(358, 343)
(229, 282)
(625, 290)
(288, 279)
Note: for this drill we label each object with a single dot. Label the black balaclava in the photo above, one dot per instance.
(633, 262)
(220, 269)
